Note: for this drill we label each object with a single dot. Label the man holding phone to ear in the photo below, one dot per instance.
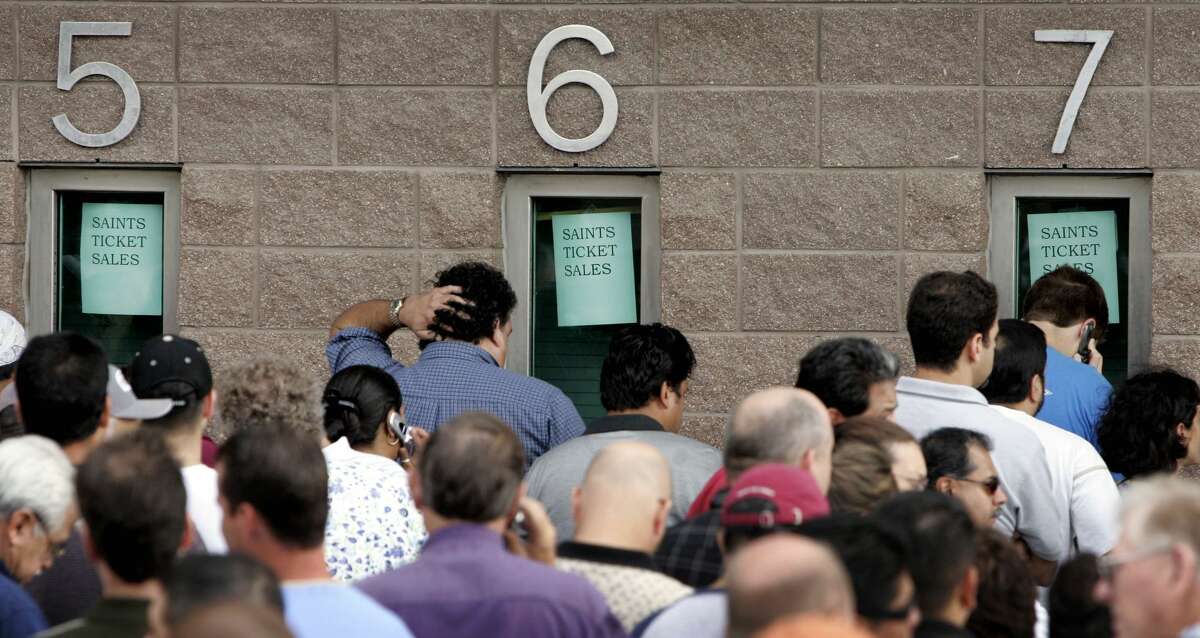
(1068, 305)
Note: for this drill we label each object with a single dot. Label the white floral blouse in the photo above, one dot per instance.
(373, 524)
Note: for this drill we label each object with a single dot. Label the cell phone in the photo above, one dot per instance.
(402, 431)
(1085, 351)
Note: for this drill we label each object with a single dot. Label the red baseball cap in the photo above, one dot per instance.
(773, 495)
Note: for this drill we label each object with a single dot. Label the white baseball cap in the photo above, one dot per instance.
(12, 339)
(126, 405)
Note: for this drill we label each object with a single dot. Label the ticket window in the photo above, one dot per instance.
(583, 254)
(1097, 224)
(103, 255)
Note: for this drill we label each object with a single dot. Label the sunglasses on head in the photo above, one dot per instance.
(990, 486)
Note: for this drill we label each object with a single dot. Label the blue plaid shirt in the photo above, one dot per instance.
(453, 377)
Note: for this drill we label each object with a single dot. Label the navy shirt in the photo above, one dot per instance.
(1076, 396)
(19, 615)
(452, 377)
(466, 585)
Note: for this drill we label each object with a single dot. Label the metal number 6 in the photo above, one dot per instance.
(1099, 39)
(68, 78)
(537, 97)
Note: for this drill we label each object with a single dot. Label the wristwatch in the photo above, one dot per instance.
(394, 312)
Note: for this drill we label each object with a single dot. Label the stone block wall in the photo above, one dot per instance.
(816, 158)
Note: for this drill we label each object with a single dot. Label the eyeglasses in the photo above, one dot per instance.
(56, 549)
(1108, 566)
(990, 485)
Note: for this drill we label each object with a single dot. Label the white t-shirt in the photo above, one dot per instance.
(203, 508)
(1081, 485)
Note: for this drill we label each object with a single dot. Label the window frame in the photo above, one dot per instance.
(516, 213)
(1003, 191)
(42, 236)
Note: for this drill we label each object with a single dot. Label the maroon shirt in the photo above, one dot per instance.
(208, 452)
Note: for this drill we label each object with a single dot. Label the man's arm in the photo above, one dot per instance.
(417, 313)
(565, 422)
(359, 335)
(1041, 523)
(1095, 502)
(374, 315)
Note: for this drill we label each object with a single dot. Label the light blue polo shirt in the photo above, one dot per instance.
(336, 610)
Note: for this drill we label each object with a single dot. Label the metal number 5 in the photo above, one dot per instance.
(538, 97)
(68, 78)
(1099, 40)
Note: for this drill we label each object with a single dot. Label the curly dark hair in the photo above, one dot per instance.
(491, 301)
(1137, 431)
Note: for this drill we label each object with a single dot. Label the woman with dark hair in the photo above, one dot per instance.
(1150, 424)
(1005, 600)
(1074, 610)
(373, 526)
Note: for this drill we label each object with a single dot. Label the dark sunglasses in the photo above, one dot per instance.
(990, 486)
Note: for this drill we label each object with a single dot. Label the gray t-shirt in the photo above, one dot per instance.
(558, 471)
(924, 406)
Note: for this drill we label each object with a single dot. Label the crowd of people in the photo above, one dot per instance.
(1003, 489)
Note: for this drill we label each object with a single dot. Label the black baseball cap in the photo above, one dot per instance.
(175, 360)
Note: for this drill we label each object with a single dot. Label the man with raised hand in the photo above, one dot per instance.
(464, 324)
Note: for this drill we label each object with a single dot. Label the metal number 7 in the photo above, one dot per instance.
(1099, 40)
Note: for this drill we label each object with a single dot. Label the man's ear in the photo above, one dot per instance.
(210, 404)
(250, 521)
(664, 395)
(661, 514)
(835, 416)
(969, 593)
(1183, 573)
(974, 347)
(576, 501)
(89, 544)
(806, 461)
(22, 525)
(104, 414)
(1037, 388)
(944, 484)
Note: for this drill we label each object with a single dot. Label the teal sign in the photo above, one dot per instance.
(121, 259)
(593, 269)
(1087, 241)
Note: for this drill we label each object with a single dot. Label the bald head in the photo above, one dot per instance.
(781, 575)
(781, 425)
(624, 498)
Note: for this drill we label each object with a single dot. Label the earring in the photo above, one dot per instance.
(393, 442)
